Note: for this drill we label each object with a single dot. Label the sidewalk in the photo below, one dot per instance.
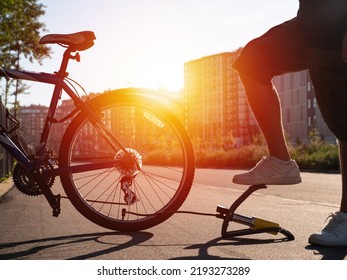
(5, 186)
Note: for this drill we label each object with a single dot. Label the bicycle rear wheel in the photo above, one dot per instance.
(155, 183)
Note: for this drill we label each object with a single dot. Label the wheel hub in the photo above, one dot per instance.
(129, 163)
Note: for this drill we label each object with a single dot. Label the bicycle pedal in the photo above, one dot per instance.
(222, 210)
(56, 205)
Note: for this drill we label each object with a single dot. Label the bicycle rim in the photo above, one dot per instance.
(156, 141)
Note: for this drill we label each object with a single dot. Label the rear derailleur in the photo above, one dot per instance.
(129, 196)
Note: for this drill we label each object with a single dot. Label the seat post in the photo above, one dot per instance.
(66, 57)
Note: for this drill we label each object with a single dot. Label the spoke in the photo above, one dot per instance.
(154, 190)
(137, 187)
(95, 177)
(154, 176)
(114, 190)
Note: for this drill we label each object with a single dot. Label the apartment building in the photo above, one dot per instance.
(215, 101)
(300, 111)
(32, 119)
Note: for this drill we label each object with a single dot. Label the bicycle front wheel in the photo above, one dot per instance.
(134, 194)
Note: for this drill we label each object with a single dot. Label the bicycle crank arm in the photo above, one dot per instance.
(53, 200)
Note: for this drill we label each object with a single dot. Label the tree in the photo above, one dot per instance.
(20, 29)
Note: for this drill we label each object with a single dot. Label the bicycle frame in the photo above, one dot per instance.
(58, 80)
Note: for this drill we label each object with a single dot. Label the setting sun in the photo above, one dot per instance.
(155, 70)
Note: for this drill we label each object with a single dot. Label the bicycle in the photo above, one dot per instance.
(125, 161)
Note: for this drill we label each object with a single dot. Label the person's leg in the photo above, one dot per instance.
(329, 76)
(265, 104)
(343, 168)
(343, 145)
(276, 52)
(335, 231)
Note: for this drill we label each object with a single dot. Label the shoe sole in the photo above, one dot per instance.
(314, 241)
(281, 181)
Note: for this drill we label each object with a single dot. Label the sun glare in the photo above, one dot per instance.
(155, 72)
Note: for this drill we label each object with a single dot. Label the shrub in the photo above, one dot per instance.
(317, 155)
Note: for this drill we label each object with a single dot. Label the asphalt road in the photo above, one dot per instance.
(28, 231)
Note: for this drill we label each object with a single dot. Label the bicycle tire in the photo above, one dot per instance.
(167, 158)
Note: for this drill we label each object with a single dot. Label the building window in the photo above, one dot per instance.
(314, 103)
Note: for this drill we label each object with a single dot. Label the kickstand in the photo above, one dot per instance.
(256, 225)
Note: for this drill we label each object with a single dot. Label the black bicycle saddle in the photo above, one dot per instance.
(76, 41)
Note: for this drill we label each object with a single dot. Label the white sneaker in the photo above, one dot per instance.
(271, 171)
(334, 233)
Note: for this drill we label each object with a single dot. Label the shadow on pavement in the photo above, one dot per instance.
(329, 253)
(53, 242)
(203, 249)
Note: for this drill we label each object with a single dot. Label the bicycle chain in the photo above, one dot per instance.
(97, 201)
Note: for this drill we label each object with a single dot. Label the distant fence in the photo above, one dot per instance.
(6, 161)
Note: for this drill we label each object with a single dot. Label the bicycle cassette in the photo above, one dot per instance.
(26, 183)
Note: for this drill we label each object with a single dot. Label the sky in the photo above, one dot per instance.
(145, 43)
